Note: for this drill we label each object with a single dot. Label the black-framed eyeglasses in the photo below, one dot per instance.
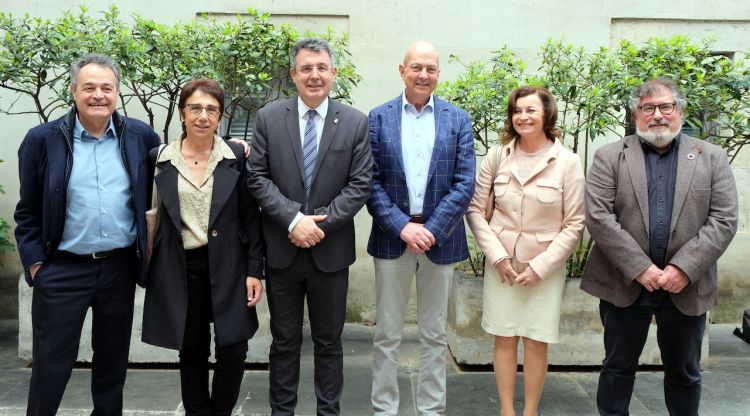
(650, 109)
(197, 109)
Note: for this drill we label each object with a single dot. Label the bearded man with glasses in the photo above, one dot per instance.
(661, 207)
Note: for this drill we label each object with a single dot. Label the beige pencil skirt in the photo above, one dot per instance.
(526, 311)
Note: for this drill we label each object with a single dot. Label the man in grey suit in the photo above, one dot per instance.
(661, 207)
(310, 171)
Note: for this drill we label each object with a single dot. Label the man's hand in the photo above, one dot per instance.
(650, 278)
(528, 277)
(306, 232)
(505, 271)
(245, 146)
(673, 279)
(417, 238)
(34, 269)
(254, 290)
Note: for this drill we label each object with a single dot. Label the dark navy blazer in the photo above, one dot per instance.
(45, 159)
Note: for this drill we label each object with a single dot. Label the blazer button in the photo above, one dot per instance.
(214, 233)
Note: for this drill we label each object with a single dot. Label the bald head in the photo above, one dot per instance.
(420, 72)
(421, 47)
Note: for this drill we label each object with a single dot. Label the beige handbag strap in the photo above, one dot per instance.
(154, 194)
(489, 207)
(498, 158)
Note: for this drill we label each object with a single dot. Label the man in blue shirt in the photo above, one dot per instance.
(423, 180)
(81, 232)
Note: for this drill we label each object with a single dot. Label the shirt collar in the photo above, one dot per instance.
(407, 106)
(303, 108)
(78, 129)
(220, 148)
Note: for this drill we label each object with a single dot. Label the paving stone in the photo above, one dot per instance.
(569, 391)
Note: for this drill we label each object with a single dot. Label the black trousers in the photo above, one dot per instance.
(64, 289)
(196, 349)
(625, 332)
(326, 306)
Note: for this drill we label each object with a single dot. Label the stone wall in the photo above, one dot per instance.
(381, 30)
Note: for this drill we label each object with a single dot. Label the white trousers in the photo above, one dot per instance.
(393, 285)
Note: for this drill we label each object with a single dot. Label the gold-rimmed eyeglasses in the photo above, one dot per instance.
(197, 109)
(650, 109)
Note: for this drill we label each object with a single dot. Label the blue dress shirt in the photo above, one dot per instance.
(417, 143)
(99, 215)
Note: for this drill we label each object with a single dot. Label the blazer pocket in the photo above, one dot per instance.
(546, 236)
(337, 151)
(700, 193)
(706, 287)
(548, 190)
(497, 229)
(500, 184)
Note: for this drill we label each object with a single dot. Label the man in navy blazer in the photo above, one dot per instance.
(423, 180)
(81, 233)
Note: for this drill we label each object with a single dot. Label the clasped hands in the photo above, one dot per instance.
(508, 275)
(418, 239)
(672, 279)
(306, 232)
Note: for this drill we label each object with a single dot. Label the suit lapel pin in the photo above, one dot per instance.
(697, 149)
(335, 121)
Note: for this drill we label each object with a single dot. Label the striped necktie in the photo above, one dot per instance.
(310, 151)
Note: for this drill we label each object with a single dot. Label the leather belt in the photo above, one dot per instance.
(99, 254)
(419, 219)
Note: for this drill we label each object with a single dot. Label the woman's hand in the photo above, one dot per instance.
(505, 271)
(244, 144)
(528, 277)
(254, 291)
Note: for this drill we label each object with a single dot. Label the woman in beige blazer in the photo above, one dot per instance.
(535, 225)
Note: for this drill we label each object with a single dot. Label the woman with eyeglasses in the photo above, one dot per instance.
(206, 264)
(536, 218)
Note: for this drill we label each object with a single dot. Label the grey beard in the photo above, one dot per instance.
(659, 140)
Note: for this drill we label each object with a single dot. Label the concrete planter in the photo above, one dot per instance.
(259, 345)
(581, 332)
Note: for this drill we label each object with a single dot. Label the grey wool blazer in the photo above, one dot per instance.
(704, 221)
